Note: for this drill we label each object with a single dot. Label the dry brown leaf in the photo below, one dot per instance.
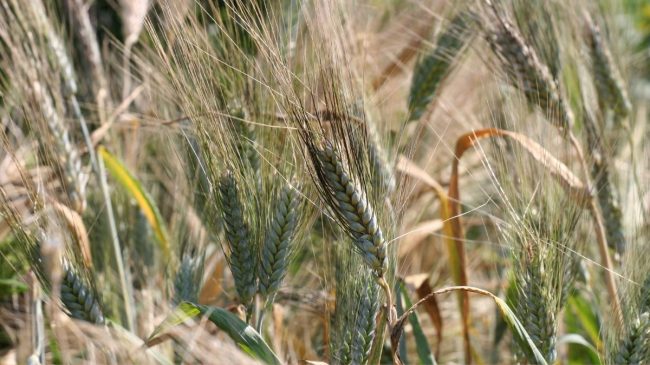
(213, 285)
(77, 228)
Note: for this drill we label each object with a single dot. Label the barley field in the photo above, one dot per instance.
(324, 182)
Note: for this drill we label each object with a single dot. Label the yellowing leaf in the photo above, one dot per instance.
(134, 188)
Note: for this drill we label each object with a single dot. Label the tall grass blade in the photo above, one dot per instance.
(421, 344)
(137, 192)
(244, 335)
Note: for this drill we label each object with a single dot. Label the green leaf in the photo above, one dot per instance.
(431, 70)
(574, 339)
(421, 343)
(146, 204)
(399, 303)
(516, 328)
(249, 340)
(15, 286)
(582, 311)
(519, 332)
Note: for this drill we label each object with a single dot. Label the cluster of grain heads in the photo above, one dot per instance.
(528, 73)
(609, 83)
(277, 245)
(78, 298)
(41, 81)
(242, 255)
(434, 66)
(349, 203)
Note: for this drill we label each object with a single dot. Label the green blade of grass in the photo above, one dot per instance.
(122, 175)
(518, 331)
(583, 311)
(249, 340)
(575, 339)
(421, 344)
(401, 307)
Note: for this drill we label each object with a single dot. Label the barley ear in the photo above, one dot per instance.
(275, 253)
(526, 72)
(350, 204)
(79, 299)
(634, 345)
(606, 191)
(187, 282)
(365, 323)
(609, 84)
(241, 250)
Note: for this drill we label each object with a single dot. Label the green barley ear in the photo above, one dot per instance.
(610, 86)
(350, 205)
(434, 66)
(526, 72)
(188, 280)
(280, 234)
(79, 299)
(68, 161)
(357, 305)
(540, 227)
(43, 90)
(630, 343)
(606, 190)
(245, 136)
(541, 30)
(242, 254)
